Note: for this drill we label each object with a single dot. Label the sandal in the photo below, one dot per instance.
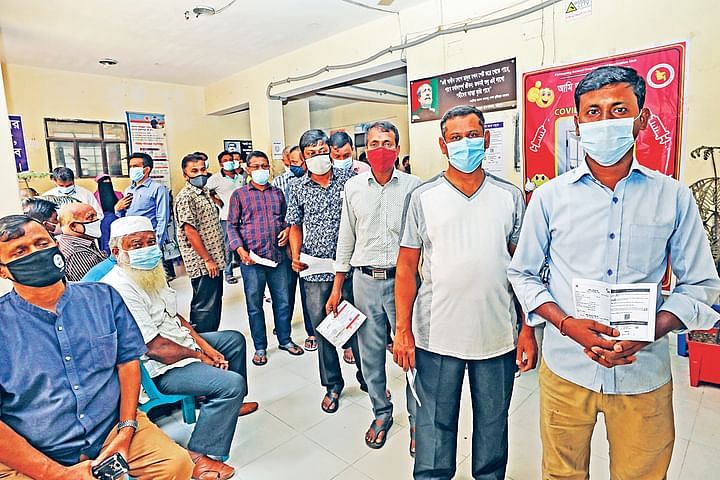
(208, 469)
(377, 429)
(292, 349)
(348, 356)
(311, 344)
(334, 404)
(412, 442)
(260, 358)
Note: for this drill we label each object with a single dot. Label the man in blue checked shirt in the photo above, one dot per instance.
(615, 221)
(69, 371)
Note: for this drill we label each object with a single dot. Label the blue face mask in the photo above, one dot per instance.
(69, 190)
(145, 258)
(466, 154)
(229, 166)
(297, 170)
(343, 164)
(260, 176)
(607, 141)
(136, 174)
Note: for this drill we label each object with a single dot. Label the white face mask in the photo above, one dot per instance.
(607, 141)
(92, 229)
(319, 164)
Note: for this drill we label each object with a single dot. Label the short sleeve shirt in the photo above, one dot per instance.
(194, 207)
(318, 209)
(464, 307)
(224, 186)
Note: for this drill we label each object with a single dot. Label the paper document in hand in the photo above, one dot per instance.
(411, 375)
(262, 261)
(316, 265)
(629, 308)
(338, 330)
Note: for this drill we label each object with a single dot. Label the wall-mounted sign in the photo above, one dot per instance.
(18, 140)
(147, 135)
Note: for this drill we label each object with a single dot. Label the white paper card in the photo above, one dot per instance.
(411, 375)
(262, 261)
(629, 308)
(338, 330)
(316, 265)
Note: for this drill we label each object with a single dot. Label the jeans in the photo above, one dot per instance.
(376, 299)
(316, 295)
(439, 386)
(255, 277)
(206, 303)
(292, 287)
(229, 254)
(224, 389)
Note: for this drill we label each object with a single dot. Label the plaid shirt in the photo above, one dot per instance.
(255, 219)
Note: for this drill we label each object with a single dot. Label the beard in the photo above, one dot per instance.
(150, 281)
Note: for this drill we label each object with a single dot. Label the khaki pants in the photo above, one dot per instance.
(640, 430)
(153, 456)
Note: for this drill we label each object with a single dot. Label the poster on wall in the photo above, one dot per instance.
(18, 140)
(147, 135)
(490, 88)
(242, 146)
(494, 161)
(551, 145)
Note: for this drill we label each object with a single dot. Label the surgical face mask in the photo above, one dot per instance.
(145, 258)
(39, 269)
(466, 154)
(607, 141)
(229, 166)
(343, 164)
(69, 190)
(381, 159)
(136, 174)
(92, 229)
(198, 181)
(297, 170)
(260, 176)
(319, 164)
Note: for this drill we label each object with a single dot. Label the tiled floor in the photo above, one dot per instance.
(290, 437)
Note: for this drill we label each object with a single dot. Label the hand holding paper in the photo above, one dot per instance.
(316, 265)
(338, 329)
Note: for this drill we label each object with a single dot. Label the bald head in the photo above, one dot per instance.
(71, 214)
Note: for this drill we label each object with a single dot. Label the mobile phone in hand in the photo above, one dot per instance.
(111, 468)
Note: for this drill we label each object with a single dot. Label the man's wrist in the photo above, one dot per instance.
(127, 426)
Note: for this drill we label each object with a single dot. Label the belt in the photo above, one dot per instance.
(379, 273)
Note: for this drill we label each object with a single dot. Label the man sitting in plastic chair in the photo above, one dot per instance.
(179, 360)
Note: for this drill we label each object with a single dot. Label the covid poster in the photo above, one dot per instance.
(551, 144)
(147, 135)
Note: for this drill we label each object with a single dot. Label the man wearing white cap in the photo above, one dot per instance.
(181, 361)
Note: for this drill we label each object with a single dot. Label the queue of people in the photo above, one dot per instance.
(455, 267)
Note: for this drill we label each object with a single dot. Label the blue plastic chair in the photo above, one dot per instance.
(157, 398)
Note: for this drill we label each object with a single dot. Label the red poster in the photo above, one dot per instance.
(551, 146)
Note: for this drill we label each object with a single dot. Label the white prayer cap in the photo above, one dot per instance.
(132, 224)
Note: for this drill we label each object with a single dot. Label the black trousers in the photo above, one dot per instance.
(206, 303)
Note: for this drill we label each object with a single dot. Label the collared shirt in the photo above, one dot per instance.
(59, 386)
(81, 195)
(318, 210)
(464, 307)
(81, 254)
(371, 217)
(194, 207)
(283, 182)
(156, 314)
(152, 200)
(584, 230)
(223, 185)
(256, 219)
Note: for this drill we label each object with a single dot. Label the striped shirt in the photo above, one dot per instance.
(81, 254)
(283, 182)
(255, 219)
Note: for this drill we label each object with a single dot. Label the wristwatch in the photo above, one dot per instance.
(127, 424)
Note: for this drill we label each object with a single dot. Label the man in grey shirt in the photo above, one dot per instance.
(369, 242)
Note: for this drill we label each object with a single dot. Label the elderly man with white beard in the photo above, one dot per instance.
(181, 361)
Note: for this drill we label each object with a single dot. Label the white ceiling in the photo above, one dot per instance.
(152, 40)
(391, 89)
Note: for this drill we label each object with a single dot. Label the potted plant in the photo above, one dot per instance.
(29, 175)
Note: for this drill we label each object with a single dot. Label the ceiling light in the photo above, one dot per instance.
(108, 62)
(205, 10)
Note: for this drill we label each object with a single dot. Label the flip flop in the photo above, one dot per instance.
(292, 349)
(348, 356)
(377, 430)
(334, 402)
(311, 344)
(260, 358)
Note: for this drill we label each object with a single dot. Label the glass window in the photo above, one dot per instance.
(73, 129)
(114, 131)
(62, 154)
(91, 161)
(116, 154)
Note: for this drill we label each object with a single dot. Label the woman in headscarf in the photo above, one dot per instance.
(107, 197)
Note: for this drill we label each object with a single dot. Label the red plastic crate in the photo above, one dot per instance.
(704, 361)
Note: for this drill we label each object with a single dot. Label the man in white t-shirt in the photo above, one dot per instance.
(221, 185)
(465, 223)
(64, 179)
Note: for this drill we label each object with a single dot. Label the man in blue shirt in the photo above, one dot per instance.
(69, 371)
(615, 221)
(145, 196)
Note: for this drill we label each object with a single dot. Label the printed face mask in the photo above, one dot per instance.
(319, 164)
(466, 154)
(607, 141)
(39, 269)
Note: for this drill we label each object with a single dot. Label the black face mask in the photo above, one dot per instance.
(39, 269)
(199, 181)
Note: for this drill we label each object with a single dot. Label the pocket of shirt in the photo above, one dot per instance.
(647, 249)
(104, 350)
